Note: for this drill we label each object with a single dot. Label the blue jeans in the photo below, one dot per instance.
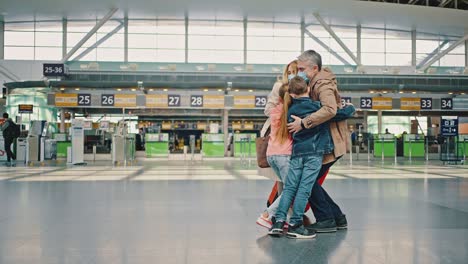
(303, 172)
(280, 165)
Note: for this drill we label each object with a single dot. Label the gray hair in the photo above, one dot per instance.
(311, 57)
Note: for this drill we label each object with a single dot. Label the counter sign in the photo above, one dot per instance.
(449, 126)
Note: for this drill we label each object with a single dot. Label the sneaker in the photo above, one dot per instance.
(325, 226)
(265, 222)
(341, 222)
(286, 225)
(277, 229)
(300, 232)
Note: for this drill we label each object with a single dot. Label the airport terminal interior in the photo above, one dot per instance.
(132, 131)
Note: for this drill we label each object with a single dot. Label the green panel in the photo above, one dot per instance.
(62, 148)
(213, 149)
(241, 145)
(417, 149)
(388, 148)
(157, 149)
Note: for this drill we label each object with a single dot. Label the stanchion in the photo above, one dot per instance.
(395, 144)
(410, 151)
(351, 151)
(368, 150)
(427, 149)
(250, 146)
(382, 148)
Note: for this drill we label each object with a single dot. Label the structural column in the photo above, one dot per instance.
(64, 37)
(379, 121)
(302, 34)
(225, 130)
(358, 47)
(245, 40)
(186, 37)
(2, 40)
(413, 47)
(126, 38)
(466, 53)
(62, 120)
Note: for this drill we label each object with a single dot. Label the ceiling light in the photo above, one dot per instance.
(62, 89)
(151, 89)
(133, 89)
(450, 93)
(371, 92)
(77, 89)
(250, 91)
(165, 89)
(220, 90)
(119, 89)
(384, 92)
(205, 90)
(462, 93)
(414, 92)
(400, 92)
(236, 90)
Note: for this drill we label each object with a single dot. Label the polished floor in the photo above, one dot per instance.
(205, 211)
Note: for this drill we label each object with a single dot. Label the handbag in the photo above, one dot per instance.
(261, 144)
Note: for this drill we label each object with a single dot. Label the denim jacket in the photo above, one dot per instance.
(316, 140)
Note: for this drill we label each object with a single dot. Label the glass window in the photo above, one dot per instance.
(49, 39)
(170, 42)
(48, 53)
(143, 55)
(55, 26)
(19, 53)
(18, 38)
(110, 54)
(373, 59)
(453, 60)
(373, 45)
(398, 45)
(142, 26)
(141, 41)
(398, 59)
(164, 55)
(23, 26)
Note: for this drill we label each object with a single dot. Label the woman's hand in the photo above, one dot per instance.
(295, 126)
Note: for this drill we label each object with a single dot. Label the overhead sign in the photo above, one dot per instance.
(410, 103)
(365, 103)
(196, 100)
(84, 99)
(107, 99)
(446, 103)
(382, 103)
(125, 100)
(156, 100)
(173, 100)
(25, 108)
(345, 100)
(213, 101)
(244, 101)
(260, 101)
(54, 69)
(449, 126)
(66, 100)
(426, 103)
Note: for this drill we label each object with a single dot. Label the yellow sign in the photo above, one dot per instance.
(244, 101)
(410, 103)
(66, 100)
(236, 125)
(125, 100)
(382, 103)
(213, 101)
(248, 125)
(156, 100)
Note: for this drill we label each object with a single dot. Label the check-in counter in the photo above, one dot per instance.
(462, 145)
(384, 144)
(244, 145)
(213, 145)
(157, 145)
(413, 146)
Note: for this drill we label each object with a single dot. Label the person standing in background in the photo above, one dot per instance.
(8, 127)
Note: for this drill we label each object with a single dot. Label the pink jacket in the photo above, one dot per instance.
(274, 146)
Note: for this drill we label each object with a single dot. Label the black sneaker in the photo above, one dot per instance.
(341, 222)
(325, 226)
(277, 229)
(299, 231)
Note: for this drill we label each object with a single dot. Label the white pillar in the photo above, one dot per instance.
(379, 122)
(225, 118)
(62, 120)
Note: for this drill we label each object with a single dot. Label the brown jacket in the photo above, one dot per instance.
(323, 87)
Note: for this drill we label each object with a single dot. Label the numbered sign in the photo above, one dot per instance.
(196, 101)
(446, 104)
(426, 103)
(84, 99)
(54, 69)
(410, 103)
(157, 100)
(260, 101)
(173, 100)
(65, 100)
(365, 103)
(345, 100)
(382, 103)
(107, 100)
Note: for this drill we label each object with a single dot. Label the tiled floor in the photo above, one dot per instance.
(204, 212)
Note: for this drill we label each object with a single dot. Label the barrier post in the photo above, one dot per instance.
(427, 149)
(250, 149)
(410, 151)
(351, 151)
(382, 148)
(395, 144)
(368, 150)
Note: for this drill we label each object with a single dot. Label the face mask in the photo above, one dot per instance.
(303, 76)
(290, 76)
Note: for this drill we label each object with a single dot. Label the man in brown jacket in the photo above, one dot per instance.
(323, 87)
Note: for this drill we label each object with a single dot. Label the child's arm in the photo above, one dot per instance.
(344, 113)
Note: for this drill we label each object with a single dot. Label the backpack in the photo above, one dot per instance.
(13, 130)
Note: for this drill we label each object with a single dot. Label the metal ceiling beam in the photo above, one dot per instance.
(337, 39)
(443, 3)
(443, 53)
(412, 2)
(308, 33)
(432, 54)
(99, 42)
(90, 34)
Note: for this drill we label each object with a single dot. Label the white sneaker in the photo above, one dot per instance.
(265, 222)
